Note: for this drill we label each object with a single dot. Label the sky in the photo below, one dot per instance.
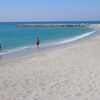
(49, 10)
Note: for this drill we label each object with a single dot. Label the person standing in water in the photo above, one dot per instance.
(37, 41)
(0, 47)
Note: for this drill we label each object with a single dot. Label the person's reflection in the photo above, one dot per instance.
(0, 57)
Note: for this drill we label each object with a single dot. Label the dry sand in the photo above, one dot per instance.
(65, 73)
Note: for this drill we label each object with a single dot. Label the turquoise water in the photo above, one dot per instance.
(13, 37)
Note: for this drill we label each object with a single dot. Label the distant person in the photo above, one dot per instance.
(37, 41)
(0, 47)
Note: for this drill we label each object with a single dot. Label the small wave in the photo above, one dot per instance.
(75, 38)
(14, 50)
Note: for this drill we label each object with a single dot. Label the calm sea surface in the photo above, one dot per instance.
(13, 37)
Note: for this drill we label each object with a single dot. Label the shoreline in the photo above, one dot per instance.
(28, 50)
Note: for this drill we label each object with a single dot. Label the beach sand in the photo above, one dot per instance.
(69, 72)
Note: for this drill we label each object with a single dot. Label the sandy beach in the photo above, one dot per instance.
(69, 72)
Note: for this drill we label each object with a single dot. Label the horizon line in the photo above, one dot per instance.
(57, 21)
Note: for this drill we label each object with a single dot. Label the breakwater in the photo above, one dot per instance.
(57, 25)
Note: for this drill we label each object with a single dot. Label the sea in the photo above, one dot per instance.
(19, 38)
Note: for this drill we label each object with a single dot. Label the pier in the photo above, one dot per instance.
(57, 25)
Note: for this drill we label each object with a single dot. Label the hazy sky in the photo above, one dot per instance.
(49, 10)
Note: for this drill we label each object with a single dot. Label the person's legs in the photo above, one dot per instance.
(37, 45)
